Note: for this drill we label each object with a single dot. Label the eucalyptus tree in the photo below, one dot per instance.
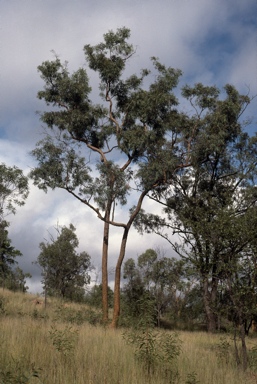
(211, 205)
(8, 254)
(14, 189)
(102, 153)
(157, 278)
(238, 292)
(65, 272)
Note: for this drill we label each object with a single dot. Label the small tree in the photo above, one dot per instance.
(65, 272)
(7, 254)
(13, 189)
(16, 280)
(158, 279)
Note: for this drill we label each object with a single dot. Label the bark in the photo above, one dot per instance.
(244, 349)
(116, 306)
(209, 299)
(236, 349)
(105, 306)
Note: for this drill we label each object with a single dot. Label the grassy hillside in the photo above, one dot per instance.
(61, 345)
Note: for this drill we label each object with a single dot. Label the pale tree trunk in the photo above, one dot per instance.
(105, 272)
(116, 306)
(105, 306)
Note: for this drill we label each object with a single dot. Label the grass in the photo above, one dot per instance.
(59, 346)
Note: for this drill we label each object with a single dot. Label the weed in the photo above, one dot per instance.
(223, 350)
(37, 315)
(64, 340)
(156, 350)
(16, 373)
(3, 301)
(252, 358)
(192, 378)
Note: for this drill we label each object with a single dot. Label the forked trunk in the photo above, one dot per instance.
(105, 269)
(116, 306)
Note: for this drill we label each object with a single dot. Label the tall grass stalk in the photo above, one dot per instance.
(97, 355)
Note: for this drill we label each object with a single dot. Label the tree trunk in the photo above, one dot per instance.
(105, 268)
(244, 349)
(209, 305)
(236, 349)
(116, 306)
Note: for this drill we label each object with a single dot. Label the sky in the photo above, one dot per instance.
(211, 41)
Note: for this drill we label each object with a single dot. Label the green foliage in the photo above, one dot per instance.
(192, 379)
(78, 317)
(64, 340)
(38, 315)
(212, 203)
(139, 142)
(2, 305)
(16, 280)
(14, 189)
(252, 357)
(94, 296)
(224, 351)
(160, 279)
(64, 270)
(16, 373)
(156, 351)
(10, 278)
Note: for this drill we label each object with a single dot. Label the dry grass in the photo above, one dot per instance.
(33, 339)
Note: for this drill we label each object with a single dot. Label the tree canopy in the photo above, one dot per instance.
(136, 143)
(14, 189)
(64, 271)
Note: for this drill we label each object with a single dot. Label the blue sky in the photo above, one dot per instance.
(212, 41)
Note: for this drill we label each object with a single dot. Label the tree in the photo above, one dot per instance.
(13, 189)
(16, 280)
(155, 277)
(7, 254)
(100, 154)
(65, 272)
(211, 206)
(94, 296)
(239, 287)
(133, 291)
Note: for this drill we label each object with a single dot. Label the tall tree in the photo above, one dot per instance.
(100, 154)
(208, 203)
(65, 272)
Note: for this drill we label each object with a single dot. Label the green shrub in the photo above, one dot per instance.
(64, 340)
(19, 372)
